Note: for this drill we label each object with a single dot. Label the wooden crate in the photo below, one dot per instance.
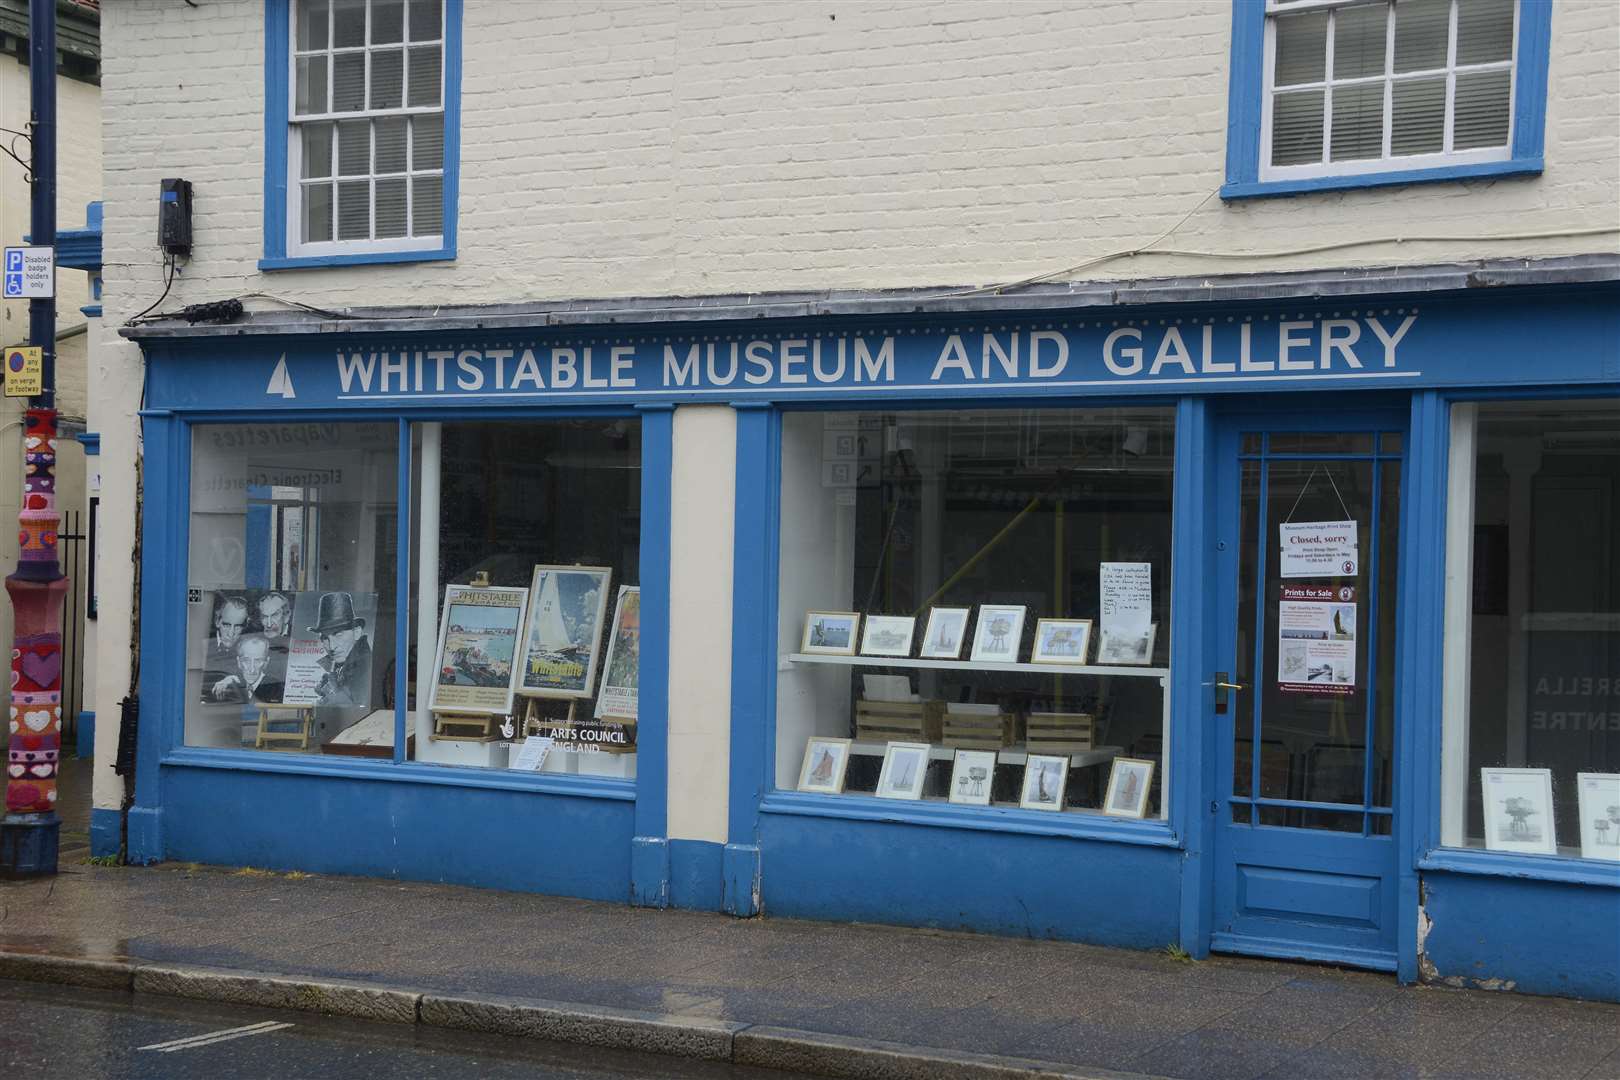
(898, 721)
(1060, 733)
(979, 729)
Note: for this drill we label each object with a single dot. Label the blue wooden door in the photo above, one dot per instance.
(1307, 523)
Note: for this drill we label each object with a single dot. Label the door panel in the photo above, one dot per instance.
(1305, 861)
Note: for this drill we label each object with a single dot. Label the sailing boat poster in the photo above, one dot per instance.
(566, 608)
(478, 638)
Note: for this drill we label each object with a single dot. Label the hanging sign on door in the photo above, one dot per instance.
(1318, 549)
(1316, 639)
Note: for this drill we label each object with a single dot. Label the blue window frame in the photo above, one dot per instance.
(1249, 169)
(383, 70)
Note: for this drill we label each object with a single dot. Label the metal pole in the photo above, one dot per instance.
(28, 835)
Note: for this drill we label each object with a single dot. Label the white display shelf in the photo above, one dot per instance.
(1010, 755)
(982, 665)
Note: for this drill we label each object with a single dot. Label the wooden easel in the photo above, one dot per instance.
(268, 739)
(464, 727)
(534, 723)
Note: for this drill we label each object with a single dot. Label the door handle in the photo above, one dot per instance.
(1222, 687)
(1228, 686)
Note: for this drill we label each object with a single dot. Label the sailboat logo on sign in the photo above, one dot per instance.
(280, 381)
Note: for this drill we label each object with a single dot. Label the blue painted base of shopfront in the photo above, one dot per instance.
(1533, 937)
(106, 827)
(994, 882)
(490, 837)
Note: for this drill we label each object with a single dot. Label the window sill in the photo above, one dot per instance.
(409, 772)
(1528, 867)
(1077, 826)
(359, 258)
(1261, 189)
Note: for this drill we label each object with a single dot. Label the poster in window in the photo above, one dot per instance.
(566, 607)
(1316, 639)
(619, 695)
(245, 654)
(478, 638)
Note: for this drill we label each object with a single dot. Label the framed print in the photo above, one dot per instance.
(1045, 776)
(618, 696)
(1599, 802)
(830, 632)
(560, 649)
(888, 635)
(478, 637)
(1128, 785)
(905, 766)
(1000, 630)
(947, 626)
(825, 762)
(1126, 645)
(1061, 641)
(972, 775)
(1518, 810)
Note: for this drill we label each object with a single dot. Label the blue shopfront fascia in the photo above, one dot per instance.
(1146, 882)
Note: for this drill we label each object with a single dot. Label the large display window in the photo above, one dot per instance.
(290, 598)
(974, 607)
(526, 551)
(1532, 653)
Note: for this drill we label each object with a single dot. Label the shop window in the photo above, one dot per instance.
(363, 98)
(290, 599)
(974, 608)
(1532, 652)
(1354, 92)
(526, 549)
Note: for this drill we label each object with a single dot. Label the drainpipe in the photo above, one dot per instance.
(29, 832)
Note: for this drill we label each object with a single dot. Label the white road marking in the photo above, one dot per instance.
(210, 1037)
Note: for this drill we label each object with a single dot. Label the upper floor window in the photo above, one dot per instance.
(1347, 93)
(362, 127)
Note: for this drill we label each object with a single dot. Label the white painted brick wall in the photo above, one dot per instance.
(648, 148)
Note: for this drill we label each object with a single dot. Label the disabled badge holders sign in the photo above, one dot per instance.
(25, 371)
(29, 273)
(1316, 639)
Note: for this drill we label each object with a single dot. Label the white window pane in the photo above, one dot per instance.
(317, 147)
(1358, 41)
(1296, 128)
(1422, 31)
(354, 147)
(390, 137)
(427, 142)
(1301, 49)
(349, 23)
(387, 21)
(317, 213)
(1358, 122)
(1484, 31)
(1482, 109)
(309, 89)
(312, 16)
(354, 210)
(349, 82)
(424, 77)
(387, 78)
(426, 20)
(427, 206)
(1419, 122)
(391, 207)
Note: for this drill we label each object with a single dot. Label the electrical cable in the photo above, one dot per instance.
(168, 261)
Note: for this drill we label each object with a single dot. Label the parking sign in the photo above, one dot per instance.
(30, 272)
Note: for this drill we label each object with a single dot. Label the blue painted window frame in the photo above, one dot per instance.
(1428, 690)
(277, 69)
(757, 561)
(1247, 85)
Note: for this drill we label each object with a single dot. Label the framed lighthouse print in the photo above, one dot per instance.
(567, 605)
(478, 638)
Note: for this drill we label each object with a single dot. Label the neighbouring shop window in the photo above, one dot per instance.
(1532, 712)
(526, 552)
(974, 607)
(290, 598)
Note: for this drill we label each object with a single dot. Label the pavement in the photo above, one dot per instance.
(836, 1000)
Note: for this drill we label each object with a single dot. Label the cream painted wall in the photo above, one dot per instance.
(702, 524)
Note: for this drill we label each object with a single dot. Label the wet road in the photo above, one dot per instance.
(50, 1032)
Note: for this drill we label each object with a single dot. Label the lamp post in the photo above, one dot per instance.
(28, 834)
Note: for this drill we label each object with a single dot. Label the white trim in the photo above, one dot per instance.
(1458, 624)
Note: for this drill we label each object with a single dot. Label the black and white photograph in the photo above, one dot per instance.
(973, 774)
(329, 655)
(1128, 646)
(1598, 796)
(1518, 810)
(887, 635)
(248, 641)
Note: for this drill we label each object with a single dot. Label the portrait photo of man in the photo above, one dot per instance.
(346, 652)
(275, 615)
(258, 676)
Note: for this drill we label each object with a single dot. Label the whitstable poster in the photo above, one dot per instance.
(478, 639)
